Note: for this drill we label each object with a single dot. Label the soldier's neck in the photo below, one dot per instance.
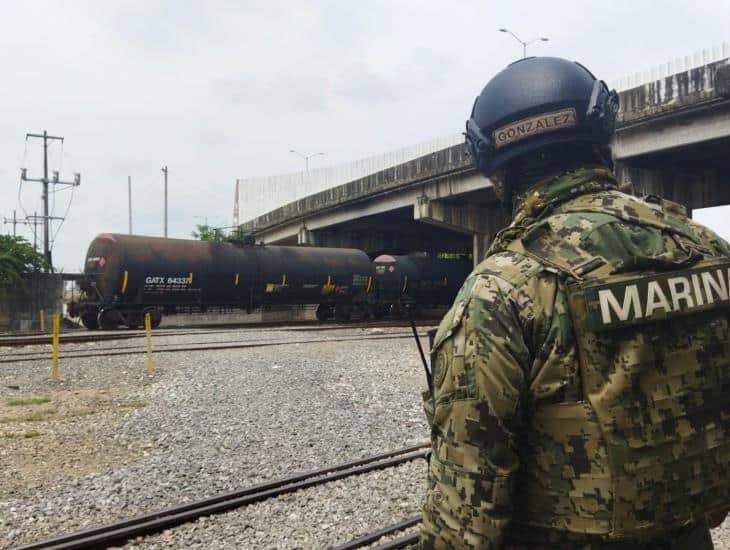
(537, 190)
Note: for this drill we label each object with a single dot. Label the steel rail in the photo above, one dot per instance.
(157, 521)
(41, 354)
(65, 338)
(87, 336)
(122, 334)
(370, 538)
(402, 542)
(226, 346)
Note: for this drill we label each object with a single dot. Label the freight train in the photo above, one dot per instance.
(127, 276)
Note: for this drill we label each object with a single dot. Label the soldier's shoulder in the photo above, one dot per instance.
(509, 266)
(650, 210)
(494, 281)
(709, 238)
(613, 202)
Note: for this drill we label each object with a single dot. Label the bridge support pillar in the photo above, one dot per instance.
(480, 222)
(307, 237)
(480, 245)
(693, 186)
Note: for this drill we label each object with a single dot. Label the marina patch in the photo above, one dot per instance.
(655, 297)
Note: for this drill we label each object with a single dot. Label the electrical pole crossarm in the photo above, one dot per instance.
(43, 136)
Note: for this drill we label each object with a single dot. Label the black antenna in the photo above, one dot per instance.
(429, 377)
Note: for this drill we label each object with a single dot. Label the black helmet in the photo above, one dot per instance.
(535, 102)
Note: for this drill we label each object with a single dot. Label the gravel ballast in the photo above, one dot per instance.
(113, 441)
(219, 420)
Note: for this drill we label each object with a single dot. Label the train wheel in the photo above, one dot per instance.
(133, 320)
(155, 316)
(89, 321)
(342, 312)
(324, 312)
(108, 319)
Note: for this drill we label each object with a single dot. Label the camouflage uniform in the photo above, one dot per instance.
(524, 453)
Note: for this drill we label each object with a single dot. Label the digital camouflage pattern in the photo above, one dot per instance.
(546, 435)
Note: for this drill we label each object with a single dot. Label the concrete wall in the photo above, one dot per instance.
(21, 305)
(435, 165)
(271, 315)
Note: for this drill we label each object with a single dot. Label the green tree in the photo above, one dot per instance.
(204, 232)
(17, 256)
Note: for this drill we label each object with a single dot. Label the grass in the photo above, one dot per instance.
(35, 416)
(26, 435)
(28, 401)
(133, 404)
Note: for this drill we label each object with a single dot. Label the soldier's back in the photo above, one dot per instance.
(648, 293)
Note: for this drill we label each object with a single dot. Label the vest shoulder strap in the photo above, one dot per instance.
(650, 211)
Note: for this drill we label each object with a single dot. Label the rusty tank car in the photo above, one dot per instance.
(126, 276)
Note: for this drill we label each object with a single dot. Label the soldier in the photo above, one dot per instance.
(582, 375)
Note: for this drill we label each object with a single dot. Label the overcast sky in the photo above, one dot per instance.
(219, 90)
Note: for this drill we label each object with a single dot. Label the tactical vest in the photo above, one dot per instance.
(647, 448)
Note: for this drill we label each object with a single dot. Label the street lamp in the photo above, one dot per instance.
(524, 44)
(305, 157)
(164, 171)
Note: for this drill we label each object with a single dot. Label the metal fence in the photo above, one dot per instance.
(679, 65)
(263, 194)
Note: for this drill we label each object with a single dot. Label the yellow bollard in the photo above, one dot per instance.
(148, 331)
(55, 341)
(41, 320)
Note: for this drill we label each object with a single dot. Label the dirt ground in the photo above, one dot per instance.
(60, 434)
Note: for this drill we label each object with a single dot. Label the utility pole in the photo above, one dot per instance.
(164, 171)
(129, 196)
(29, 220)
(35, 230)
(13, 220)
(235, 208)
(45, 181)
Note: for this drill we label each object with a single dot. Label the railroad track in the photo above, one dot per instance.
(161, 345)
(89, 336)
(155, 522)
(374, 536)
(211, 346)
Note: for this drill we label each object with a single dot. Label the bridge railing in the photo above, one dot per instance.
(259, 195)
(678, 65)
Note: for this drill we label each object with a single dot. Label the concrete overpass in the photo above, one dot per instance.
(672, 139)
